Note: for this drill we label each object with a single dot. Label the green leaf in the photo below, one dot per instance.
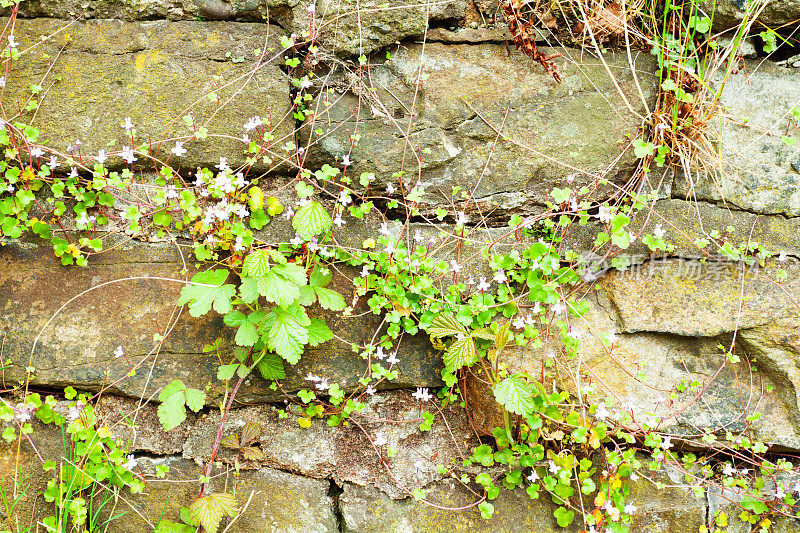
(486, 509)
(278, 289)
(248, 290)
(256, 264)
(461, 353)
(225, 372)
(287, 337)
(271, 367)
(516, 395)
(174, 398)
(444, 325)
(211, 292)
(563, 516)
(209, 510)
(311, 219)
(321, 277)
(329, 299)
(293, 272)
(165, 526)
(318, 332)
(247, 334)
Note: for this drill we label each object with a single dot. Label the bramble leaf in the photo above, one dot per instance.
(444, 325)
(311, 219)
(174, 399)
(516, 395)
(461, 353)
(209, 510)
(287, 336)
(271, 367)
(318, 332)
(211, 291)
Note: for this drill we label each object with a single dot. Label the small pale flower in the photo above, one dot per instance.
(2, 83)
(128, 155)
(379, 353)
(780, 493)
(667, 444)
(418, 236)
(380, 440)
(602, 412)
(346, 160)
(455, 267)
(131, 464)
(239, 244)
(462, 219)
(782, 257)
(178, 149)
(101, 157)
(338, 220)
(537, 308)
(12, 43)
(519, 323)
(370, 390)
(119, 352)
(390, 189)
(554, 468)
(533, 477)
(364, 272)
(659, 232)
(311, 9)
(390, 248)
(729, 470)
(253, 123)
(297, 240)
(311, 377)
(223, 163)
(53, 163)
(392, 359)
(634, 477)
(422, 394)
(559, 308)
(384, 229)
(604, 214)
(344, 198)
(630, 508)
(127, 125)
(482, 284)
(500, 276)
(36, 152)
(418, 464)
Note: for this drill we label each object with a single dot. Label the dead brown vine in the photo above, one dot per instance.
(521, 30)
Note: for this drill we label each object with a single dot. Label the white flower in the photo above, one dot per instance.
(728, 470)
(573, 204)
(364, 272)
(462, 219)
(782, 257)
(127, 125)
(380, 440)
(780, 493)
(239, 244)
(101, 156)
(240, 182)
(630, 508)
(171, 193)
(744, 471)
(178, 149)
(2, 84)
(223, 163)
(422, 394)
(128, 155)
(392, 359)
(390, 189)
(418, 236)
(390, 248)
(384, 229)
(346, 160)
(601, 413)
(131, 464)
(311, 9)
(75, 411)
(297, 240)
(253, 123)
(604, 214)
(667, 444)
(558, 308)
(338, 220)
(659, 232)
(119, 352)
(796, 487)
(455, 267)
(370, 390)
(500, 276)
(323, 385)
(533, 477)
(53, 162)
(418, 464)
(519, 323)
(554, 468)
(537, 308)
(11, 42)
(612, 336)
(482, 284)
(344, 198)
(37, 152)
(634, 477)
(379, 353)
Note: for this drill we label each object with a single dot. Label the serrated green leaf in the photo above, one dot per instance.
(318, 332)
(209, 510)
(329, 299)
(444, 325)
(307, 296)
(278, 289)
(292, 272)
(320, 277)
(213, 292)
(234, 318)
(271, 367)
(256, 264)
(311, 219)
(173, 387)
(248, 290)
(516, 395)
(195, 399)
(460, 354)
(171, 413)
(287, 337)
(226, 372)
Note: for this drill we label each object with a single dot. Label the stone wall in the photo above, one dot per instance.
(445, 98)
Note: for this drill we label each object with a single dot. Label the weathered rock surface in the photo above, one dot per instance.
(731, 13)
(671, 510)
(757, 171)
(410, 115)
(353, 28)
(77, 346)
(155, 73)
